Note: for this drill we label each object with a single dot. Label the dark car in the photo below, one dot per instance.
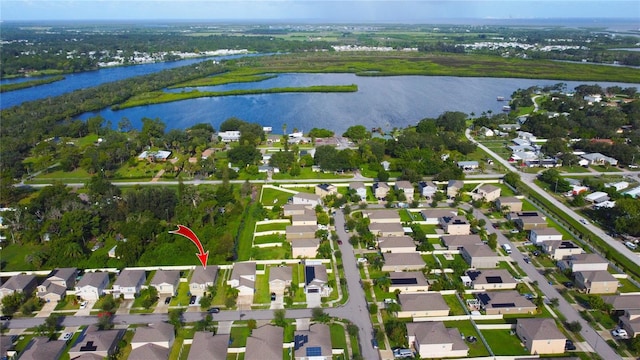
(374, 343)
(339, 242)
(568, 284)
(214, 310)
(192, 300)
(5, 317)
(167, 300)
(569, 345)
(526, 259)
(273, 296)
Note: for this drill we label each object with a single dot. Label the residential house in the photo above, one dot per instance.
(149, 351)
(303, 198)
(457, 242)
(102, 343)
(427, 189)
(480, 256)
(596, 282)
(55, 287)
(229, 136)
(265, 342)
(599, 159)
(584, 262)
(153, 156)
(527, 136)
(386, 229)
(408, 282)
(505, 302)
(623, 302)
(630, 321)
(559, 250)
(619, 186)
(359, 189)
(509, 127)
(280, 278)
(397, 244)
(455, 225)
(530, 222)
(296, 209)
(486, 132)
(492, 279)
(468, 165)
(431, 339)
(324, 190)
(293, 232)
(406, 187)
(597, 197)
(166, 281)
(315, 280)
(402, 262)
(540, 336)
(385, 165)
(243, 277)
(160, 333)
(21, 283)
(308, 218)
(92, 284)
(422, 305)
(207, 346)
(454, 187)
(380, 190)
(129, 283)
(542, 235)
(7, 349)
(202, 279)
(304, 248)
(510, 203)
(432, 216)
(313, 344)
(383, 216)
(41, 347)
(487, 193)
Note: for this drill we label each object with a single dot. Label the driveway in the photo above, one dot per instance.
(47, 308)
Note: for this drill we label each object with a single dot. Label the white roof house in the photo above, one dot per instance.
(621, 185)
(597, 197)
(599, 159)
(229, 136)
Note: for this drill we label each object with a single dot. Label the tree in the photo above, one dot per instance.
(382, 175)
(109, 303)
(454, 121)
(352, 329)
(512, 179)
(244, 155)
(175, 318)
(279, 317)
(11, 303)
(318, 315)
(205, 301)
(104, 320)
(574, 326)
(357, 133)
(493, 241)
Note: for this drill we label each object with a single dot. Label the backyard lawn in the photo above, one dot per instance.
(502, 342)
(272, 226)
(338, 337)
(466, 329)
(269, 239)
(454, 305)
(272, 253)
(182, 299)
(272, 197)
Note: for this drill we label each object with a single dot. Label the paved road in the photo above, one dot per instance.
(528, 179)
(593, 338)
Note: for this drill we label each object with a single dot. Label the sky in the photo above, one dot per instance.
(413, 11)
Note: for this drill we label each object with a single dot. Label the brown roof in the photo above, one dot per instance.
(540, 328)
(203, 276)
(318, 336)
(422, 302)
(160, 331)
(383, 215)
(587, 259)
(386, 227)
(206, 346)
(265, 343)
(280, 273)
(43, 348)
(496, 299)
(129, 277)
(434, 332)
(509, 200)
(479, 250)
(391, 259)
(419, 276)
(166, 277)
(480, 277)
(148, 352)
(597, 276)
(396, 241)
(623, 302)
(457, 241)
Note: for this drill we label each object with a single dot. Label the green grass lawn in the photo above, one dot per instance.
(78, 174)
(428, 229)
(454, 305)
(466, 328)
(627, 286)
(124, 352)
(272, 253)
(140, 170)
(245, 242)
(572, 169)
(272, 197)
(307, 173)
(262, 294)
(85, 141)
(338, 337)
(182, 299)
(70, 302)
(502, 342)
(405, 216)
(272, 226)
(220, 288)
(268, 239)
(430, 260)
(14, 256)
(239, 336)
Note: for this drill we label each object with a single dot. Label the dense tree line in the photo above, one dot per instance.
(66, 227)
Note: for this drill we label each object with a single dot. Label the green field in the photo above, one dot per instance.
(502, 342)
(272, 197)
(466, 329)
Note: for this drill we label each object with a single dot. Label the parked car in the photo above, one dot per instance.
(620, 333)
(214, 310)
(583, 221)
(5, 317)
(568, 284)
(526, 259)
(273, 296)
(569, 345)
(339, 242)
(374, 343)
(167, 300)
(83, 305)
(402, 353)
(192, 299)
(66, 336)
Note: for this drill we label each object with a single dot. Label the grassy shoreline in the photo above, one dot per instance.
(28, 84)
(159, 97)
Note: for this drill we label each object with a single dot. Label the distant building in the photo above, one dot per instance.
(427, 189)
(505, 302)
(129, 283)
(543, 235)
(487, 193)
(405, 187)
(492, 279)
(154, 156)
(306, 199)
(596, 282)
(540, 336)
(380, 190)
(454, 187)
(432, 339)
(422, 305)
(408, 282)
(229, 136)
(324, 190)
(403, 262)
(360, 189)
(468, 165)
(512, 203)
(455, 225)
(559, 250)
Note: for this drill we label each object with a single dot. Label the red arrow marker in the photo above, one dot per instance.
(189, 234)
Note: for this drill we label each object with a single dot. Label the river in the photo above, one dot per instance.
(385, 102)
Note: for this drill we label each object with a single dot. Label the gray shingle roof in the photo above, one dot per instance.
(206, 346)
(265, 343)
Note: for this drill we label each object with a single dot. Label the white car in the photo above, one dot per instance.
(620, 333)
(583, 221)
(66, 336)
(83, 305)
